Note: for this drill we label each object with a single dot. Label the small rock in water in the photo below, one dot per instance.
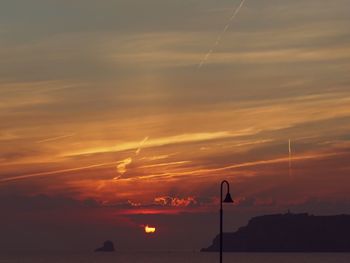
(107, 247)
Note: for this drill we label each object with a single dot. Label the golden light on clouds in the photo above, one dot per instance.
(122, 166)
(132, 107)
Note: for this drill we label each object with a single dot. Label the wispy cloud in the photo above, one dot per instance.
(266, 56)
(165, 164)
(57, 138)
(208, 172)
(54, 172)
(121, 168)
(177, 139)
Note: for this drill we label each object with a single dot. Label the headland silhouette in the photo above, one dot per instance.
(288, 233)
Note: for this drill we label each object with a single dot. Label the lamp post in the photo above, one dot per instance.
(228, 199)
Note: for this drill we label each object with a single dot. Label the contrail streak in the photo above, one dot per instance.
(290, 157)
(137, 152)
(219, 38)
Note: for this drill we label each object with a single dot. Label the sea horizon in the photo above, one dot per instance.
(170, 257)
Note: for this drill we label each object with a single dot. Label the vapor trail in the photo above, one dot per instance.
(141, 145)
(219, 38)
(290, 157)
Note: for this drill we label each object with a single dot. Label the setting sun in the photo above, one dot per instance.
(150, 230)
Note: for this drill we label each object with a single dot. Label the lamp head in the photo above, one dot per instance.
(228, 198)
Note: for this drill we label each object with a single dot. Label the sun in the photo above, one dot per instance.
(150, 229)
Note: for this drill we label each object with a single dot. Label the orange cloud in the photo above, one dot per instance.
(121, 168)
(174, 201)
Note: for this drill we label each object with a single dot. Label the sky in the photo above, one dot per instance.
(118, 114)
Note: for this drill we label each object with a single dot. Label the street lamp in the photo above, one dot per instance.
(228, 199)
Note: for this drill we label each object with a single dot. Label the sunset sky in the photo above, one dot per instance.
(109, 124)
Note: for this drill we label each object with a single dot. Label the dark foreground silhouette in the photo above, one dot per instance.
(107, 247)
(288, 233)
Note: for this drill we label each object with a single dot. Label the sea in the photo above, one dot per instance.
(171, 257)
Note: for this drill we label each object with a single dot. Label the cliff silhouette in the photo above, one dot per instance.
(288, 233)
